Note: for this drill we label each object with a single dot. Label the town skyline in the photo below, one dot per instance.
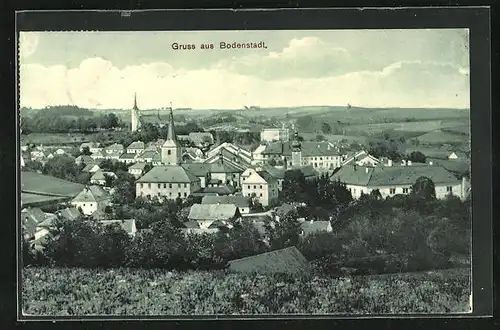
(299, 68)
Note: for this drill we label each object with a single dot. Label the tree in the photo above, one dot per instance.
(326, 129)
(417, 157)
(61, 166)
(423, 188)
(284, 233)
(294, 187)
(86, 151)
(320, 138)
(272, 162)
(109, 180)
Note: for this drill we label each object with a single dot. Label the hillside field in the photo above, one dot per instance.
(84, 292)
(64, 138)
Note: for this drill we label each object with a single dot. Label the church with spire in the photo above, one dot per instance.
(135, 118)
(171, 153)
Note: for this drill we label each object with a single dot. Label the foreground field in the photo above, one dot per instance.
(61, 291)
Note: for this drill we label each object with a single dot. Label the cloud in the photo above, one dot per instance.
(97, 83)
(303, 58)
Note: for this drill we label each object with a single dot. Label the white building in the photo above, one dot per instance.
(397, 179)
(275, 134)
(261, 185)
(91, 199)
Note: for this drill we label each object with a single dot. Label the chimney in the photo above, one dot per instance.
(366, 170)
(430, 163)
(403, 162)
(389, 162)
(311, 221)
(408, 163)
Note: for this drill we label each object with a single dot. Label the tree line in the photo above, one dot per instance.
(45, 121)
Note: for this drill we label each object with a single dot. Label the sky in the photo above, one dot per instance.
(368, 68)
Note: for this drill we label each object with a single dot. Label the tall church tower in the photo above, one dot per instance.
(171, 150)
(135, 115)
(296, 151)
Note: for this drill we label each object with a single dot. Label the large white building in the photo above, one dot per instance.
(261, 185)
(391, 180)
(275, 134)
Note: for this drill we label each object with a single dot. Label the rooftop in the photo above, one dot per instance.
(392, 175)
(212, 212)
(92, 194)
(170, 174)
(240, 201)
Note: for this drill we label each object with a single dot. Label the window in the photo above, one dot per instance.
(159, 185)
(164, 185)
(179, 185)
(149, 185)
(169, 152)
(392, 191)
(185, 185)
(405, 190)
(179, 194)
(142, 185)
(260, 194)
(248, 187)
(170, 194)
(449, 189)
(254, 187)
(260, 187)
(83, 204)
(354, 191)
(185, 194)
(158, 194)
(320, 158)
(170, 185)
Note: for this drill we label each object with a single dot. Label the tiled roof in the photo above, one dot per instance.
(136, 145)
(212, 212)
(170, 174)
(240, 201)
(98, 175)
(148, 154)
(34, 214)
(128, 156)
(220, 190)
(92, 194)
(221, 166)
(114, 146)
(288, 260)
(85, 159)
(284, 209)
(277, 173)
(70, 213)
(456, 166)
(139, 166)
(392, 175)
(28, 199)
(266, 176)
(36, 183)
(308, 149)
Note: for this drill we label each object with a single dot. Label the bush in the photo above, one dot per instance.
(139, 292)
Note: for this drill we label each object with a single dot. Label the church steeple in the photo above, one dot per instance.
(171, 149)
(135, 102)
(171, 128)
(135, 115)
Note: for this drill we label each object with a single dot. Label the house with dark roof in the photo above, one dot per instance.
(396, 179)
(226, 172)
(91, 168)
(242, 202)
(136, 147)
(261, 185)
(322, 155)
(284, 261)
(91, 199)
(99, 177)
(128, 158)
(69, 213)
(168, 181)
(137, 169)
(214, 215)
(200, 170)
